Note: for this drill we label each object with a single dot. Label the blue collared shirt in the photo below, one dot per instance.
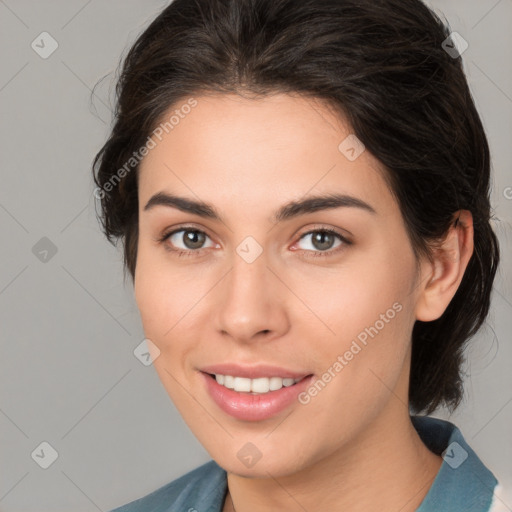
(462, 483)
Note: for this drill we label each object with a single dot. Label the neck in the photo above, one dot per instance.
(386, 468)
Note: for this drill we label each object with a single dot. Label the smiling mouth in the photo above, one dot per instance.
(259, 386)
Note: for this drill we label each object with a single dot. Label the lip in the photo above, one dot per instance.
(253, 372)
(248, 407)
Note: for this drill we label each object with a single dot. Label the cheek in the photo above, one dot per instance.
(362, 371)
(163, 312)
(160, 302)
(149, 293)
(359, 299)
(370, 313)
(170, 301)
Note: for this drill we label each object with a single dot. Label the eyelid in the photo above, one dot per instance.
(174, 229)
(342, 233)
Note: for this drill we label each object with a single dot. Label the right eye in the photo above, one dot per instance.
(191, 239)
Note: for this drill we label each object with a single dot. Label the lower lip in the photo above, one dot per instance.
(244, 406)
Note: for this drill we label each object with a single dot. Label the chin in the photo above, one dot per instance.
(273, 466)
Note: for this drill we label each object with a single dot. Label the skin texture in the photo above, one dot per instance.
(352, 447)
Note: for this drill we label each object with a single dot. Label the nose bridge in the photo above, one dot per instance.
(250, 301)
(249, 268)
(248, 282)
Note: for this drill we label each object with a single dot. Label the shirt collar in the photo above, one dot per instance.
(462, 482)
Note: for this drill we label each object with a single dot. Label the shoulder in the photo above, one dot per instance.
(463, 481)
(202, 489)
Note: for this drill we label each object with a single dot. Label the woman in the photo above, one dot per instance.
(302, 191)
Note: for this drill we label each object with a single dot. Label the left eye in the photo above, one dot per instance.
(322, 239)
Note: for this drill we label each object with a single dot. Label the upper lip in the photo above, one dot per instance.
(253, 372)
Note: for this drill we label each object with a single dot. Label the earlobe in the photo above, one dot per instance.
(442, 276)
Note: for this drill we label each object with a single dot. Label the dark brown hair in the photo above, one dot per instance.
(379, 62)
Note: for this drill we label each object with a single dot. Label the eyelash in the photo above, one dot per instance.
(310, 254)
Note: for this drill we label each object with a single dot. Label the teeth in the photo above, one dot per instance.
(256, 386)
(242, 384)
(275, 383)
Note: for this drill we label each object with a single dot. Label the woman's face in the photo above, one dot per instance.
(254, 289)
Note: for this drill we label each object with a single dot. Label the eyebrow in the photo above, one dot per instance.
(288, 211)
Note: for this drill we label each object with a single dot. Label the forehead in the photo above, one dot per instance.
(235, 149)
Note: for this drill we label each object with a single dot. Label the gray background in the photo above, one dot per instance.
(69, 325)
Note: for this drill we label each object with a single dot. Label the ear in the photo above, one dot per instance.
(441, 278)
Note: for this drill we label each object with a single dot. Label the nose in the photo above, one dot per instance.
(251, 302)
